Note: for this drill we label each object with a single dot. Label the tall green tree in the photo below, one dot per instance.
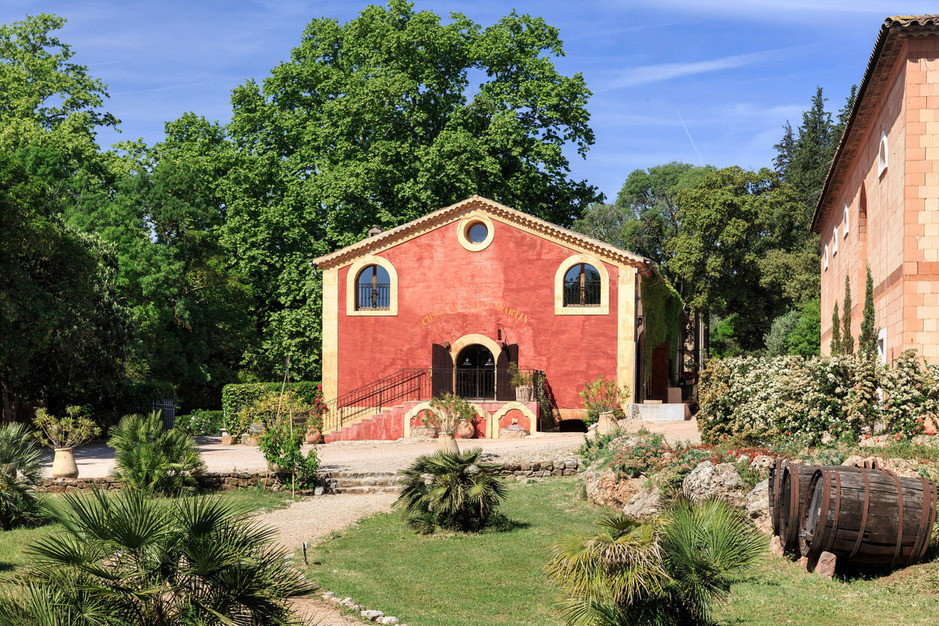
(379, 121)
(717, 253)
(847, 340)
(867, 342)
(62, 330)
(645, 216)
(835, 347)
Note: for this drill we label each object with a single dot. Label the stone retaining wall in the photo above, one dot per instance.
(225, 481)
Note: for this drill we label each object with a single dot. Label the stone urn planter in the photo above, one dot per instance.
(523, 393)
(63, 464)
(446, 443)
(465, 430)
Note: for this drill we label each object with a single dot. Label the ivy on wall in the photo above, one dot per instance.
(661, 310)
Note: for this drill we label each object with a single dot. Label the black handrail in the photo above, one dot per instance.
(405, 385)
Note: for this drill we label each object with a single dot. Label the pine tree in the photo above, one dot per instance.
(784, 151)
(867, 343)
(835, 348)
(847, 341)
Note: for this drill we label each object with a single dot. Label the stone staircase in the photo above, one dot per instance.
(387, 425)
(352, 482)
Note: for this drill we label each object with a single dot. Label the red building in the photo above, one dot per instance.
(449, 301)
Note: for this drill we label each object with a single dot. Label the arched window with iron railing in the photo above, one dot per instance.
(373, 289)
(582, 286)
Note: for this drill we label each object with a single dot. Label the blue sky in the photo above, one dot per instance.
(700, 81)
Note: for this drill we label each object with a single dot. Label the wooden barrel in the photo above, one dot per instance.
(793, 496)
(868, 518)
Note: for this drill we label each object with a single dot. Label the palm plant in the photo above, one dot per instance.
(132, 560)
(671, 571)
(459, 493)
(705, 545)
(150, 458)
(20, 472)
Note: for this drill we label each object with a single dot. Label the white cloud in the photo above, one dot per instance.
(643, 75)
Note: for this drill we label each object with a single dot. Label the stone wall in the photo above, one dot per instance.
(226, 481)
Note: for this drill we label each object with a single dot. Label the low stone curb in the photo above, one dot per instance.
(333, 481)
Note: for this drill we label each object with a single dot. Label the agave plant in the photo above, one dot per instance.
(669, 571)
(150, 458)
(132, 560)
(20, 472)
(450, 490)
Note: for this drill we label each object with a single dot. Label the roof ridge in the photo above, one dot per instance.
(435, 218)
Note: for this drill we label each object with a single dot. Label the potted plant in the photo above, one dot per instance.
(314, 427)
(62, 434)
(449, 411)
(522, 381)
(602, 398)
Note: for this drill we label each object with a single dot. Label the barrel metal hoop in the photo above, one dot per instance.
(924, 514)
(815, 549)
(867, 504)
(896, 553)
(794, 486)
(834, 525)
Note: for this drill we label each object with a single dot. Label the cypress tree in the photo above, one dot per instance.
(835, 348)
(847, 341)
(867, 343)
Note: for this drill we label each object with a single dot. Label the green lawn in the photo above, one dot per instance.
(494, 577)
(780, 592)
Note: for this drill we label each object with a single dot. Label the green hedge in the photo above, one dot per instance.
(237, 396)
(818, 398)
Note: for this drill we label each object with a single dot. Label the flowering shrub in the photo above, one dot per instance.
(811, 400)
(601, 395)
(644, 457)
(201, 422)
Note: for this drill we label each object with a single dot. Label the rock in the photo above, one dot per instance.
(644, 504)
(319, 490)
(758, 507)
(804, 563)
(388, 619)
(605, 490)
(826, 565)
(762, 461)
(900, 467)
(743, 458)
(715, 481)
(776, 547)
(372, 615)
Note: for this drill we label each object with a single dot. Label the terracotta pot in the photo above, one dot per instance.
(314, 436)
(63, 464)
(465, 430)
(446, 443)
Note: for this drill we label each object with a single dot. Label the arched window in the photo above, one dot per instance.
(373, 289)
(882, 155)
(582, 286)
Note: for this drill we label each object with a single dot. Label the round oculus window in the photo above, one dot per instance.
(477, 232)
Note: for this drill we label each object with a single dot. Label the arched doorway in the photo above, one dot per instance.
(475, 373)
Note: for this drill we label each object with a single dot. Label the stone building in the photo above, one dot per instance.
(880, 203)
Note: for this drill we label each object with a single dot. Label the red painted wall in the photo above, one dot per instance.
(517, 270)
